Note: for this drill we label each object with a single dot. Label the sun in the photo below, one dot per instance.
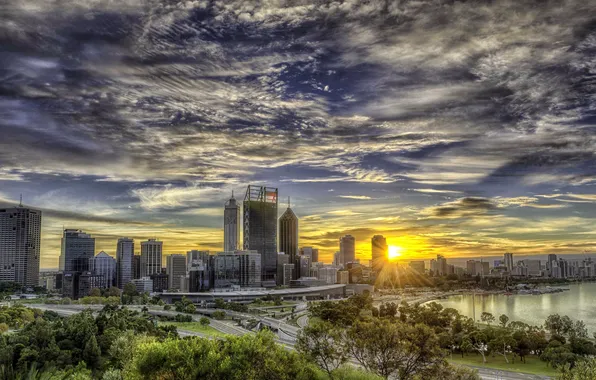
(394, 252)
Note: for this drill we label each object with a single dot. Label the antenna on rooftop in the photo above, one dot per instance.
(21, 201)
(288, 202)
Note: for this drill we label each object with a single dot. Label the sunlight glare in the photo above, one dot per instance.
(394, 252)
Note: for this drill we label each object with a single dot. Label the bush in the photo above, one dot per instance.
(204, 321)
(218, 315)
(167, 307)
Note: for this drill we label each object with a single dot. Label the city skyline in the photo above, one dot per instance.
(429, 123)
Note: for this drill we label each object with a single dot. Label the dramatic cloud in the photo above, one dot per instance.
(155, 111)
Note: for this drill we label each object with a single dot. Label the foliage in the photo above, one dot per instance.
(204, 321)
(322, 343)
(218, 314)
(583, 370)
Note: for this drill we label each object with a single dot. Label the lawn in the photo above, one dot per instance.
(533, 364)
(195, 327)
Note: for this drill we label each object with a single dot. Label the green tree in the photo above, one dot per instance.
(583, 370)
(95, 292)
(321, 343)
(503, 319)
(113, 292)
(218, 314)
(220, 303)
(204, 321)
(487, 317)
(190, 309)
(92, 353)
(395, 349)
(557, 325)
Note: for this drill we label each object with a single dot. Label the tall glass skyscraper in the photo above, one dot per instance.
(231, 225)
(379, 252)
(124, 256)
(288, 235)
(347, 249)
(77, 249)
(20, 235)
(260, 228)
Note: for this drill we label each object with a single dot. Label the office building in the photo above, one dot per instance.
(347, 249)
(343, 277)
(104, 265)
(175, 268)
(199, 264)
(288, 234)
(417, 265)
(143, 284)
(551, 261)
(282, 259)
(232, 225)
(442, 265)
(87, 281)
(136, 267)
(315, 255)
(477, 267)
(151, 262)
(160, 282)
(20, 239)
(76, 251)
(238, 268)
(508, 259)
(328, 275)
(288, 273)
(337, 259)
(260, 228)
(379, 252)
(303, 266)
(125, 250)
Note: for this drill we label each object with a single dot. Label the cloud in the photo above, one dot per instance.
(463, 207)
(359, 197)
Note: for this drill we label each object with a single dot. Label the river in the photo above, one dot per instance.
(579, 302)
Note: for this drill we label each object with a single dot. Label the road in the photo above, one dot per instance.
(286, 334)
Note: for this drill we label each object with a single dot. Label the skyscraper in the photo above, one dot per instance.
(151, 251)
(20, 235)
(508, 258)
(77, 249)
(238, 268)
(175, 268)
(103, 265)
(288, 235)
(124, 257)
(347, 248)
(136, 267)
(260, 228)
(379, 252)
(231, 225)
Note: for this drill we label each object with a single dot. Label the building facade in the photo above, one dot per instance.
(76, 251)
(508, 259)
(417, 265)
(328, 275)
(288, 235)
(232, 225)
(175, 268)
(20, 239)
(379, 250)
(347, 249)
(151, 257)
(104, 265)
(260, 228)
(125, 251)
(239, 268)
(136, 267)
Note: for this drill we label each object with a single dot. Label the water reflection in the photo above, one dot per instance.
(577, 303)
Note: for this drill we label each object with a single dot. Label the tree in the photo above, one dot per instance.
(167, 307)
(113, 292)
(487, 317)
(395, 348)
(503, 319)
(583, 370)
(218, 314)
(559, 356)
(479, 342)
(95, 292)
(220, 303)
(190, 309)
(92, 352)
(321, 343)
(3, 328)
(501, 344)
(557, 325)
(204, 321)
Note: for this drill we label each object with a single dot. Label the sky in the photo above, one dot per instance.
(463, 128)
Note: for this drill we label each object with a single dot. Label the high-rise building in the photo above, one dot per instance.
(160, 282)
(508, 258)
(315, 255)
(104, 265)
(260, 228)
(125, 250)
(417, 265)
(136, 267)
(282, 259)
(379, 252)
(328, 274)
(77, 249)
(231, 225)
(199, 264)
(288, 235)
(441, 265)
(288, 272)
(175, 267)
(347, 249)
(337, 259)
(551, 261)
(238, 268)
(20, 239)
(303, 266)
(87, 280)
(151, 251)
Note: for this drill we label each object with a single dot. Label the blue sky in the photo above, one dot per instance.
(462, 128)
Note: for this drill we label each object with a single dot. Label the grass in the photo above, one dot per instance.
(533, 364)
(195, 327)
